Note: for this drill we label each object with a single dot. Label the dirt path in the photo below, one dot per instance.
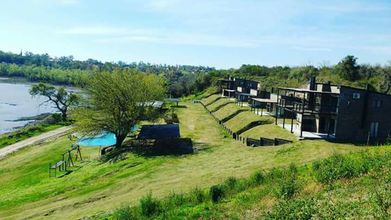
(33, 140)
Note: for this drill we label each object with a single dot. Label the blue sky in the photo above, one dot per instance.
(219, 33)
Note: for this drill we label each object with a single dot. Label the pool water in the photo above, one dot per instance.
(102, 140)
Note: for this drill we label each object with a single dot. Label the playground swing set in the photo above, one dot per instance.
(67, 160)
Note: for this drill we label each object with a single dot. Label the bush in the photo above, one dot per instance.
(197, 195)
(230, 183)
(216, 193)
(287, 185)
(337, 166)
(175, 199)
(124, 213)
(257, 178)
(293, 209)
(287, 188)
(149, 206)
(333, 168)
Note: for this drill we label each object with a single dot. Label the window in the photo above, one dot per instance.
(377, 103)
(374, 129)
(356, 95)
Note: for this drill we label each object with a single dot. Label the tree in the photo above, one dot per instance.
(348, 69)
(60, 97)
(118, 100)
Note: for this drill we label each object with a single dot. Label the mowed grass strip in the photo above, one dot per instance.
(212, 107)
(243, 119)
(211, 99)
(270, 131)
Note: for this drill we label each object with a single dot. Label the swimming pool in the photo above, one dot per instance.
(102, 140)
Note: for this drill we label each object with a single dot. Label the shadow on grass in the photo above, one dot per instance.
(178, 106)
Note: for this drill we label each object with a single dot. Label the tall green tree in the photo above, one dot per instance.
(348, 68)
(60, 97)
(118, 100)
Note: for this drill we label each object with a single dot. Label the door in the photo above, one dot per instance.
(374, 129)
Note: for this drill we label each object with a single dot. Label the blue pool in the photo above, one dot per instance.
(102, 140)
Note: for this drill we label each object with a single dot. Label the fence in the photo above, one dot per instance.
(250, 141)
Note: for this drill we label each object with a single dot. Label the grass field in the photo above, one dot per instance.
(94, 186)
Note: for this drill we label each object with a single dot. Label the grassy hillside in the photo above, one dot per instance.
(355, 186)
(95, 186)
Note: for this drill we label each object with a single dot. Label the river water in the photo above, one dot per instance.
(16, 102)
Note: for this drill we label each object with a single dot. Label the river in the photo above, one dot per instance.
(16, 102)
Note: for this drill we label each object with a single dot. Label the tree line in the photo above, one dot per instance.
(183, 80)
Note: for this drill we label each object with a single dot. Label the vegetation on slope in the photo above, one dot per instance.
(354, 186)
(95, 186)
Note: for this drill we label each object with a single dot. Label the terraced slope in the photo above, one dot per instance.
(211, 99)
(219, 103)
(227, 110)
(270, 131)
(243, 119)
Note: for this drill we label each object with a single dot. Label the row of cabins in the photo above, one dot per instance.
(320, 110)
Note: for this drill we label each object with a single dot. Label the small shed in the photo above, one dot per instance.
(159, 132)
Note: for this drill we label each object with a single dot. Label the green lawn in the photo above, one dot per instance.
(94, 186)
(24, 133)
(227, 110)
(245, 118)
(269, 131)
(218, 103)
(211, 99)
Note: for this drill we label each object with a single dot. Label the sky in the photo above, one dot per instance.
(216, 33)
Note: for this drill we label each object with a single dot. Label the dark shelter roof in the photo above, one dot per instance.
(158, 132)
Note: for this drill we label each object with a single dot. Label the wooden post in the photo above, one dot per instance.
(292, 125)
(278, 99)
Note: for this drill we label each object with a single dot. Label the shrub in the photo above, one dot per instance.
(149, 206)
(293, 209)
(175, 199)
(287, 188)
(230, 183)
(124, 213)
(333, 168)
(257, 178)
(216, 193)
(197, 195)
(286, 185)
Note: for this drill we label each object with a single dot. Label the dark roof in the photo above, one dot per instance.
(157, 132)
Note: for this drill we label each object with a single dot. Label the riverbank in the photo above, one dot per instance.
(26, 132)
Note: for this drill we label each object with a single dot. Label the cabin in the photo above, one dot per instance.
(323, 110)
(240, 89)
(264, 104)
